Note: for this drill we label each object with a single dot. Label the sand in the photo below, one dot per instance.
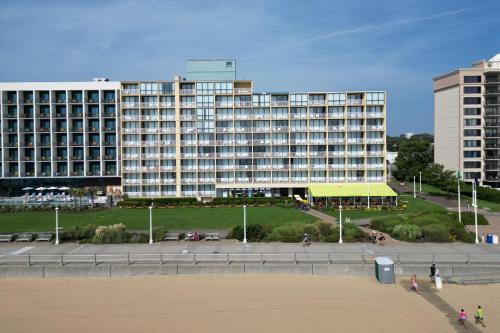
(232, 303)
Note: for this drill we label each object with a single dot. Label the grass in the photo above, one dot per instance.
(138, 218)
(482, 204)
(414, 205)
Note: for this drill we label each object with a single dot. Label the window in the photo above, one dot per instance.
(376, 98)
(472, 154)
(472, 175)
(472, 143)
(472, 111)
(261, 100)
(336, 99)
(298, 99)
(205, 88)
(472, 165)
(223, 87)
(207, 100)
(472, 132)
(229, 64)
(472, 122)
(472, 79)
(149, 88)
(472, 90)
(472, 100)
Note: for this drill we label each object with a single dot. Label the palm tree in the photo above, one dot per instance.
(79, 193)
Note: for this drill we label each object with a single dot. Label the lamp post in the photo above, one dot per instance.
(244, 224)
(474, 204)
(414, 188)
(57, 226)
(150, 224)
(368, 198)
(420, 183)
(340, 223)
(459, 207)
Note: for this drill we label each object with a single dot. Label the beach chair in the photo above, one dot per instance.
(171, 236)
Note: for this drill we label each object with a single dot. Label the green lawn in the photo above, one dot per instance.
(415, 205)
(488, 205)
(138, 218)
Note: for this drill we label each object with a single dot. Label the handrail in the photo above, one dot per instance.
(293, 258)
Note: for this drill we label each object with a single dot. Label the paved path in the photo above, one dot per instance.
(321, 216)
(232, 246)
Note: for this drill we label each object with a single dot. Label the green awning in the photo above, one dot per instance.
(351, 190)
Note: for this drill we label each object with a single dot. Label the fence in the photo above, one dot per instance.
(244, 258)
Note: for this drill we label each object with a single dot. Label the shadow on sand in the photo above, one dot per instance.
(428, 292)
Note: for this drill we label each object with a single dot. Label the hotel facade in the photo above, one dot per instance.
(467, 121)
(205, 135)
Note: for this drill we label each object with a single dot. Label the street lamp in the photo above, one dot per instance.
(414, 188)
(150, 224)
(368, 198)
(340, 222)
(459, 207)
(474, 204)
(57, 226)
(420, 182)
(244, 224)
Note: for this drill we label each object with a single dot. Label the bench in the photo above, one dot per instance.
(212, 236)
(24, 238)
(171, 236)
(43, 237)
(6, 238)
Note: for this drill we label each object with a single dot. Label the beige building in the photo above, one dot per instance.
(467, 121)
(205, 138)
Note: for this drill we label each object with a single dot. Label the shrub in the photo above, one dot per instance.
(406, 232)
(158, 234)
(111, 234)
(324, 228)
(312, 230)
(290, 233)
(436, 233)
(255, 232)
(351, 232)
(468, 218)
(385, 224)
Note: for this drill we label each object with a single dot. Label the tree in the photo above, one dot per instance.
(438, 176)
(79, 193)
(415, 155)
(91, 191)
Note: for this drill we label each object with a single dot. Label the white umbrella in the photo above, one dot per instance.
(64, 188)
(40, 188)
(52, 188)
(27, 188)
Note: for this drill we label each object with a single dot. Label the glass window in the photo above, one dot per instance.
(261, 100)
(472, 153)
(472, 143)
(472, 132)
(472, 79)
(298, 99)
(472, 111)
(223, 87)
(204, 87)
(472, 165)
(472, 100)
(376, 98)
(472, 122)
(336, 99)
(472, 90)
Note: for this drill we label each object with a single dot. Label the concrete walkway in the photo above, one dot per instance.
(321, 216)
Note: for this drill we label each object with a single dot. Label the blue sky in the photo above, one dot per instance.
(398, 46)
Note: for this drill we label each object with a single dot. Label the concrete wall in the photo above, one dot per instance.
(447, 127)
(119, 270)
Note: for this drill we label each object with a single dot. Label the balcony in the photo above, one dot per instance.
(108, 100)
(279, 103)
(130, 91)
(44, 158)
(11, 129)
(238, 104)
(109, 157)
(92, 114)
(354, 102)
(317, 103)
(43, 129)
(94, 173)
(186, 91)
(92, 129)
(10, 115)
(242, 91)
(61, 158)
(77, 173)
(76, 114)
(61, 173)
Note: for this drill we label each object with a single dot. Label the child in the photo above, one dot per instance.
(462, 317)
(479, 316)
(413, 283)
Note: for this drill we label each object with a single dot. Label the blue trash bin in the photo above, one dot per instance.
(489, 239)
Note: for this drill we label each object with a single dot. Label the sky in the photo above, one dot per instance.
(396, 46)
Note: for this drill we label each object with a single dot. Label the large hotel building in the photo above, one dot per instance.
(467, 121)
(205, 135)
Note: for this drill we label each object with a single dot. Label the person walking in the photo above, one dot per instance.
(433, 272)
(462, 317)
(479, 316)
(414, 284)
(381, 239)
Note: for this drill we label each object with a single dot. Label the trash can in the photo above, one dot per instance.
(384, 270)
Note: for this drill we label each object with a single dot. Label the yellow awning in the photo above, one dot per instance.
(351, 190)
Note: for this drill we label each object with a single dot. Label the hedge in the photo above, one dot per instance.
(193, 202)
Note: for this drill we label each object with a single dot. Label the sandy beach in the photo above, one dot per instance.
(230, 303)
